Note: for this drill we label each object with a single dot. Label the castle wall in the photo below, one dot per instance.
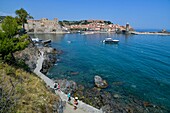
(44, 25)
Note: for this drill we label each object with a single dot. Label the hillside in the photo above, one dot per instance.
(82, 22)
(21, 92)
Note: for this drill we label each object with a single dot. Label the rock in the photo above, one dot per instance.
(58, 106)
(74, 73)
(29, 56)
(99, 82)
(147, 104)
(117, 83)
(67, 86)
(116, 96)
(49, 58)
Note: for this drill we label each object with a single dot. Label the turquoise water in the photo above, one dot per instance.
(141, 63)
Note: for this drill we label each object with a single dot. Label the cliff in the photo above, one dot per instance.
(30, 56)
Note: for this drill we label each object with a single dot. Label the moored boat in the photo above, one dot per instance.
(110, 40)
(46, 41)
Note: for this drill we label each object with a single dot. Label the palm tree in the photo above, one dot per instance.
(22, 15)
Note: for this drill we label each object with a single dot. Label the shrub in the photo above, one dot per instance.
(9, 70)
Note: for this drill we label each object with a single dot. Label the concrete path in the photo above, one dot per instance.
(82, 107)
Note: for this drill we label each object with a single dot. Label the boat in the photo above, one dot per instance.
(110, 40)
(46, 41)
(87, 33)
(35, 39)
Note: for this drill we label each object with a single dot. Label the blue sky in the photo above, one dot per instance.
(143, 14)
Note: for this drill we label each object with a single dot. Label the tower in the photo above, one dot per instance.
(127, 26)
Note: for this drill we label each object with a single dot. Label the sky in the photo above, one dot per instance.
(141, 14)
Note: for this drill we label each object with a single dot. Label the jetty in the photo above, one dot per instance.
(82, 107)
(149, 33)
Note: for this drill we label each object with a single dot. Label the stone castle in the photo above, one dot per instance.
(43, 26)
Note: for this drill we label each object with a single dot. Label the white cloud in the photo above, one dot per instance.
(7, 14)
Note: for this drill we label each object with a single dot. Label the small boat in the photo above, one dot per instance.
(87, 33)
(46, 41)
(35, 39)
(110, 40)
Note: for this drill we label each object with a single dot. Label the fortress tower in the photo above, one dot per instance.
(127, 26)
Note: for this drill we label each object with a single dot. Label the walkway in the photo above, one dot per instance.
(82, 107)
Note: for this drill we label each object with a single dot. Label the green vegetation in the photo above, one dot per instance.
(9, 26)
(2, 18)
(10, 41)
(22, 16)
(108, 22)
(81, 22)
(22, 92)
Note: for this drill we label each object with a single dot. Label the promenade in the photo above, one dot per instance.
(82, 107)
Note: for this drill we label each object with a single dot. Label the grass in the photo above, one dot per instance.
(31, 92)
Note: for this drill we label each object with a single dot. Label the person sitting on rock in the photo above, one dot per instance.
(75, 103)
(55, 86)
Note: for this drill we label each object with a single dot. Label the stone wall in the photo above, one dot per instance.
(43, 26)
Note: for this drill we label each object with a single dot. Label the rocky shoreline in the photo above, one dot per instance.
(108, 102)
(30, 56)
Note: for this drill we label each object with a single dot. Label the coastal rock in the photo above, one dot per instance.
(49, 58)
(74, 73)
(99, 82)
(107, 102)
(59, 106)
(67, 86)
(116, 96)
(118, 83)
(29, 56)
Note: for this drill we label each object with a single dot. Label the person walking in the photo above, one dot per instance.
(69, 97)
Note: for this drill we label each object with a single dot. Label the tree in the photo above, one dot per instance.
(22, 15)
(9, 26)
(8, 42)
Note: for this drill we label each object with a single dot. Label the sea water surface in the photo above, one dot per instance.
(141, 63)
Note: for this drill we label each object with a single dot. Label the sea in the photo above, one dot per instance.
(139, 63)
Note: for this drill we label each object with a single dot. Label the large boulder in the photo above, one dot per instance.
(99, 82)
